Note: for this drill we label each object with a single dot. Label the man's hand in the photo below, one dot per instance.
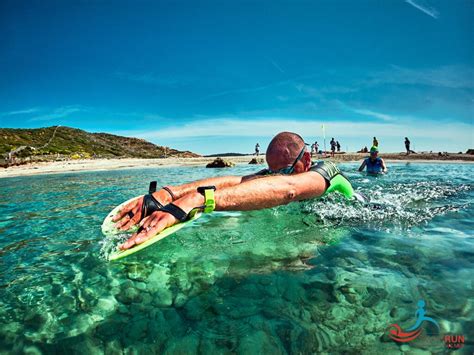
(131, 214)
(158, 221)
(151, 225)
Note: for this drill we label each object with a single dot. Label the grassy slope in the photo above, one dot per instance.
(69, 141)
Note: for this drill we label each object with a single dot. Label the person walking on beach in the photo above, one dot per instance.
(316, 147)
(407, 146)
(373, 163)
(375, 143)
(333, 146)
(290, 176)
(338, 146)
(257, 149)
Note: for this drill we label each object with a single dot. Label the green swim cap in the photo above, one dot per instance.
(374, 150)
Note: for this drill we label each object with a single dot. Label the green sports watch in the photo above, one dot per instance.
(210, 201)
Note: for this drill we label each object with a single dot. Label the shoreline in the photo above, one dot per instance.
(71, 166)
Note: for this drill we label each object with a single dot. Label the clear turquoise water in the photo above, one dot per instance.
(317, 276)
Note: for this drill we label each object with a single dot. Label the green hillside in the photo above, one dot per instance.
(73, 142)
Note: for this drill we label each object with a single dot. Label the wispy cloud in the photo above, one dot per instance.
(60, 112)
(156, 79)
(244, 90)
(449, 76)
(257, 88)
(225, 127)
(276, 65)
(378, 115)
(320, 92)
(21, 112)
(430, 11)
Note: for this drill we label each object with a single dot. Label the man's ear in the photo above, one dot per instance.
(307, 160)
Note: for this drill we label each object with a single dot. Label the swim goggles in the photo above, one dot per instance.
(290, 169)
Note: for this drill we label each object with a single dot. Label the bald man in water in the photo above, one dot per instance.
(291, 176)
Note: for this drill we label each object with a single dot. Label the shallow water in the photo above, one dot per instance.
(316, 276)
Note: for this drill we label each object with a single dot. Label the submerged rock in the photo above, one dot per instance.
(187, 345)
(259, 343)
(137, 272)
(158, 286)
(129, 295)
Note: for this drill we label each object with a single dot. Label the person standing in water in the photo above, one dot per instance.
(338, 146)
(374, 164)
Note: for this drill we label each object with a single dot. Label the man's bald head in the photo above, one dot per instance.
(283, 149)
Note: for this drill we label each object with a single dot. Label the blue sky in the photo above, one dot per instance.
(219, 76)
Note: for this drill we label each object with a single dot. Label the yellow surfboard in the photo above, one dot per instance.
(109, 229)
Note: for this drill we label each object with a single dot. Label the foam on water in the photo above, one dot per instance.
(399, 205)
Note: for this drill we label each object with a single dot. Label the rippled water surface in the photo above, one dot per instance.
(317, 276)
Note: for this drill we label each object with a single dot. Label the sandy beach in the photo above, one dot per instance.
(57, 167)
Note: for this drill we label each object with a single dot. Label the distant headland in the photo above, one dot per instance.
(20, 146)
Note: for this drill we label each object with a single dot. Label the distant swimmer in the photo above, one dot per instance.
(374, 164)
(290, 176)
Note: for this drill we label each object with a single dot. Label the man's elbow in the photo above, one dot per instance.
(291, 195)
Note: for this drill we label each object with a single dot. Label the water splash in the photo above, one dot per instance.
(109, 244)
(400, 205)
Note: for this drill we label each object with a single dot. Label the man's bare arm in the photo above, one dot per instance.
(131, 214)
(270, 191)
(361, 168)
(220, 182)
(252, 195)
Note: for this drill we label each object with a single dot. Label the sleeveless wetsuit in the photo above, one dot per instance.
(335, 180)
(374, 167)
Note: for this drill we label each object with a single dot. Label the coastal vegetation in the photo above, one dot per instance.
(71, 143)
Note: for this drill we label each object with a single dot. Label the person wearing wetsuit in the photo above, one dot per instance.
(373, 163)
(291, 176)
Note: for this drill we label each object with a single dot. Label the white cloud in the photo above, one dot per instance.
(21, 112)
(430, 11)
(449, 76)
(344, 128)
(59, 112)
(379, 115)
